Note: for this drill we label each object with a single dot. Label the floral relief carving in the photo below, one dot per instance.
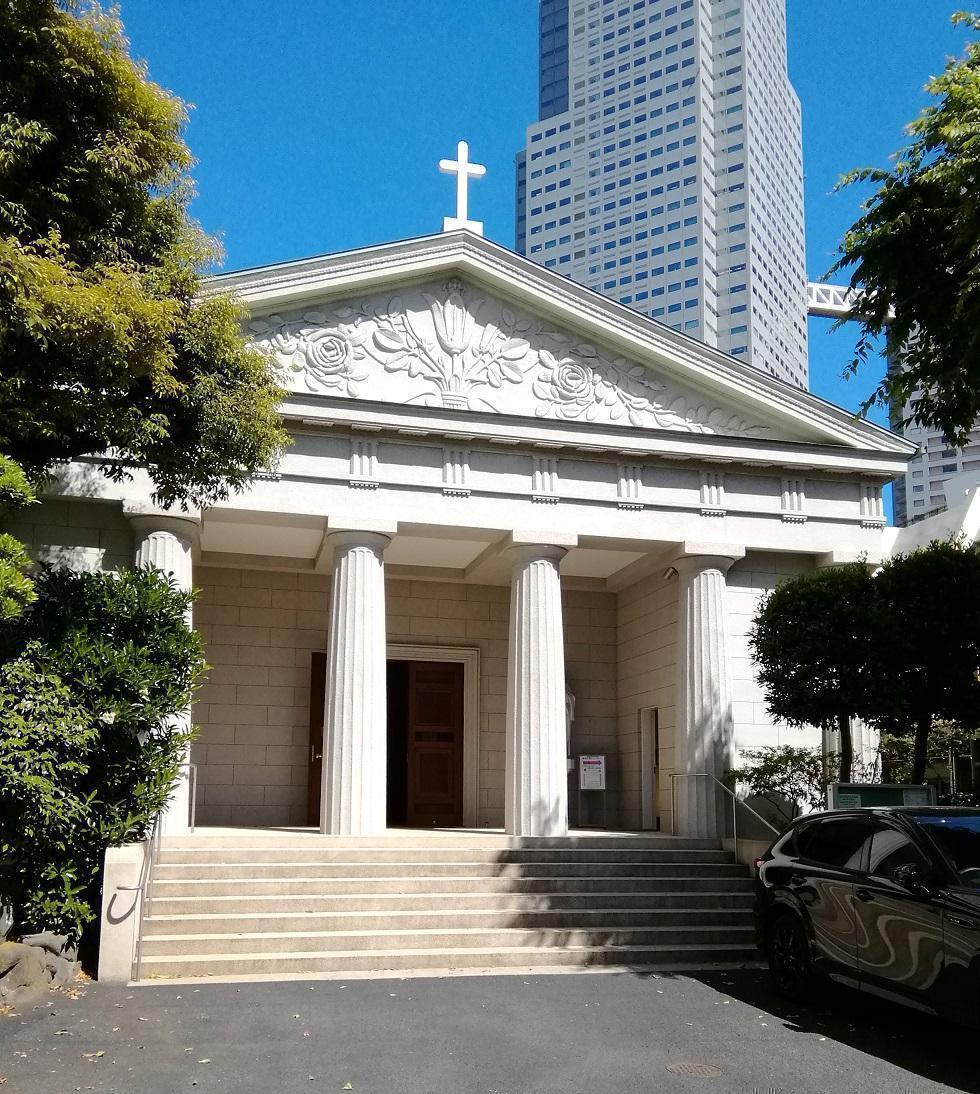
(317, 349)
(446, 345)
(454, 353)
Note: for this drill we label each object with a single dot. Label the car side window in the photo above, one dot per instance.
(838, 842)
(891, 849)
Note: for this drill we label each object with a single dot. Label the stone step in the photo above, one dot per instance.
(306, 962)
(274, 903)
(591, 919)
(460, 938)
(247, 886)
(318, 853)
(287, 869)
(399, 838)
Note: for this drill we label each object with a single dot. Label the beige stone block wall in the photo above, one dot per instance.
(85, 535)
(748, 581)
(252, 713)
(647, 670)
(260, 628)
(590, 672)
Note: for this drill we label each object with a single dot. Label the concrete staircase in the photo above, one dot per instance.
(284, 904)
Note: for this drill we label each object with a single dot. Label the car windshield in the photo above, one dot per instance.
(959, 838)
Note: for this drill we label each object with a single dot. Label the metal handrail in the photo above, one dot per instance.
(192, 768)
(151, 848)
(736, 801)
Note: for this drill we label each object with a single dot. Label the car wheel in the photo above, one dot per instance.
(788, 951)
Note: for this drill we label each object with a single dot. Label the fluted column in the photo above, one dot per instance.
(705, 731)
(355, 736)
(536, 788)
(165, 542)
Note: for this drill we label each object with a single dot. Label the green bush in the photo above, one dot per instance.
(787, 777)
(118, 650)
(45, 809)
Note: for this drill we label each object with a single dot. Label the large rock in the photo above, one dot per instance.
(57, 944)
(22, 971)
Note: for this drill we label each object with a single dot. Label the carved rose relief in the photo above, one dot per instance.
(308, 348)
(444, 345)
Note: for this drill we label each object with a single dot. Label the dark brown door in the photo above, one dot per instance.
(425, 742)
(318, 676)
(435, 744)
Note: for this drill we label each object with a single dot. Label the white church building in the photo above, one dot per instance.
(518, 523)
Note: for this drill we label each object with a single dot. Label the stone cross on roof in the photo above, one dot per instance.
(464, 171)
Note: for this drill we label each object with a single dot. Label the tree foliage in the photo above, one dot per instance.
(45, 807)
(98, 671)
(810, 640)
(788, 777)
(900, 649)
(914, 257)
(106, 342)
(929, 645)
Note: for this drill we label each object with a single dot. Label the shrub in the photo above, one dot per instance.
(45, 809)
(119, 651)
(788, 778)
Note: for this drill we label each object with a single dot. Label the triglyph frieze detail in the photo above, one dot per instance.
(449, 345)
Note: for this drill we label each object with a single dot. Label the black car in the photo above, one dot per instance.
(884, 900)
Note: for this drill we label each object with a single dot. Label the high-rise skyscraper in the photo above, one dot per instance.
(666, 168)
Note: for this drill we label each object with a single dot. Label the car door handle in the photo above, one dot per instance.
(864, 894)
(971, 924)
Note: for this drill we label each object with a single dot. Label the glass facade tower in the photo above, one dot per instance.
(666, 168)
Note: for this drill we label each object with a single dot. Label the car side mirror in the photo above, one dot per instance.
(912, 877)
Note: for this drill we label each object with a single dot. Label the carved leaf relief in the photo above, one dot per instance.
(446, 345)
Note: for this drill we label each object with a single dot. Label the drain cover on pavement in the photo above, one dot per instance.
(695, 1071)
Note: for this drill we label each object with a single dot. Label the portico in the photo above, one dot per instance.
(497, 467)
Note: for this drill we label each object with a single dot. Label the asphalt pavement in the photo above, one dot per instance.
(563, 1034)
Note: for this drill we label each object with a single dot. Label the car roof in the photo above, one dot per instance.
(895, 810)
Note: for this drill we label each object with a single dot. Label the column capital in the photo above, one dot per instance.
(871, 559)
(540, 544)
(342, 535)
(146, 518)
(693, 558)
(387, 528)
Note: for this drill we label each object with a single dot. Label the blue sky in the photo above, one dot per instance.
(317, 124)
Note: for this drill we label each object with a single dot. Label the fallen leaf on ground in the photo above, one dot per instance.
(347, 1086)
(206, 1060)
(94, 1055)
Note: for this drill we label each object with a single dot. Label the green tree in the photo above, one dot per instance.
(914, 258)
(786, 776)
(96, 671)
(813, 641)
(107, 343)
(16, 587)
(929, 643)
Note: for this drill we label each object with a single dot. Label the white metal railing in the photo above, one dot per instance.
(151, 848)
(192, 768)
(736, 802)
(151, 851)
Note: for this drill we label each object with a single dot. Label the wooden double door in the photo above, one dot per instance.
(425, 742)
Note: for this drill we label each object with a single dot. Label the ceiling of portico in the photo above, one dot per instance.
(272, 541)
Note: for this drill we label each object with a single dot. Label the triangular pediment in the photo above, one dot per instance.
(457, 322)
(450, 344)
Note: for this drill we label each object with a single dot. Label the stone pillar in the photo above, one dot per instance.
(355, 731)
(165, 541)
(536, 787)
(705, 730)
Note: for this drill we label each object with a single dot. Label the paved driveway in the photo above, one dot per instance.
(563, 1034)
